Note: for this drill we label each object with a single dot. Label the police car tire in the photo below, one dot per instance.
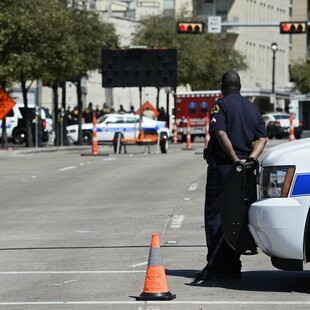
(269, 135)
(19, 135)
(163, 143)
(87, 137)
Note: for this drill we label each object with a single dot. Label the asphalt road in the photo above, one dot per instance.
(75, 233)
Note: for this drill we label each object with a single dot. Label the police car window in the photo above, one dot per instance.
(115, 120)
(119, 120)
(131, 120)
(31, 112)
(101, 119)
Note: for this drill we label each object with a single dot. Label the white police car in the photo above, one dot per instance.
(279, 221)
(108, 125)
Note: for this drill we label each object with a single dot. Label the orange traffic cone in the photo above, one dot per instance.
(188, 136)
(207, 131)
(175, 133)
(155, 285)
(94, 149)
(292, 137)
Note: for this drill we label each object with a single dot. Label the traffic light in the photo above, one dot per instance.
(190, 27)
(293, 27)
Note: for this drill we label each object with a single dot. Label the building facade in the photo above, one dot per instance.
(252, 41)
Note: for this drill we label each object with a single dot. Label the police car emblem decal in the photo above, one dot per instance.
(215, 109)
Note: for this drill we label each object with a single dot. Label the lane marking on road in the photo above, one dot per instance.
(171, 302)
(109, 159)
(193, 187)
(138, 265)
(65, 282)
(67, 168)
(85, 231)
(177, 221)
(70, 272)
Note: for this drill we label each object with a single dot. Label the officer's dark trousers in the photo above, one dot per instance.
(220, 256)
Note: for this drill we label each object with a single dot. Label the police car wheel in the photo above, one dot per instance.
(164, 146)
(19, 136)
(269, 135)
(87, 137)
(163, 143)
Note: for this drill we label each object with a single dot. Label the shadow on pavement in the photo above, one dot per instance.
(264, 280)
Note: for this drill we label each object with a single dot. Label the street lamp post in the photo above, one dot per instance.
(274, 48)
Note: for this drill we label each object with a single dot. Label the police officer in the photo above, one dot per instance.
(237, 132)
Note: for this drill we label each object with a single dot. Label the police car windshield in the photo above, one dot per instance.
(102, 119)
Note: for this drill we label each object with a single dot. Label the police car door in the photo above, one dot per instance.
(113, 124)
(240, 192)
(131, 126)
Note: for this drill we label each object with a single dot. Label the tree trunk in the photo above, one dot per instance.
(27, 116)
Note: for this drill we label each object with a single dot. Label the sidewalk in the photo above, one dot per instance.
(12, 150)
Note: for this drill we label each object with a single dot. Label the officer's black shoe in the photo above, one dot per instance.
(201, 274)
(206, 275)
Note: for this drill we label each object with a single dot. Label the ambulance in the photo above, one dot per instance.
(193, 107)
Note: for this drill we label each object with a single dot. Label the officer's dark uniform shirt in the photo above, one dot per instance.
(242, 122)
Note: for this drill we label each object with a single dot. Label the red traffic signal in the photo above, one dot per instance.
(293, 27)
(190, 27)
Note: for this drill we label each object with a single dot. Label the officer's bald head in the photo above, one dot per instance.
(230, 82)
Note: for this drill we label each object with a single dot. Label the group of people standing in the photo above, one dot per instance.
(72, 116)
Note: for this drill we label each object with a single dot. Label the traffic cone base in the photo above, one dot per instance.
(156, 296)
(155, 285)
